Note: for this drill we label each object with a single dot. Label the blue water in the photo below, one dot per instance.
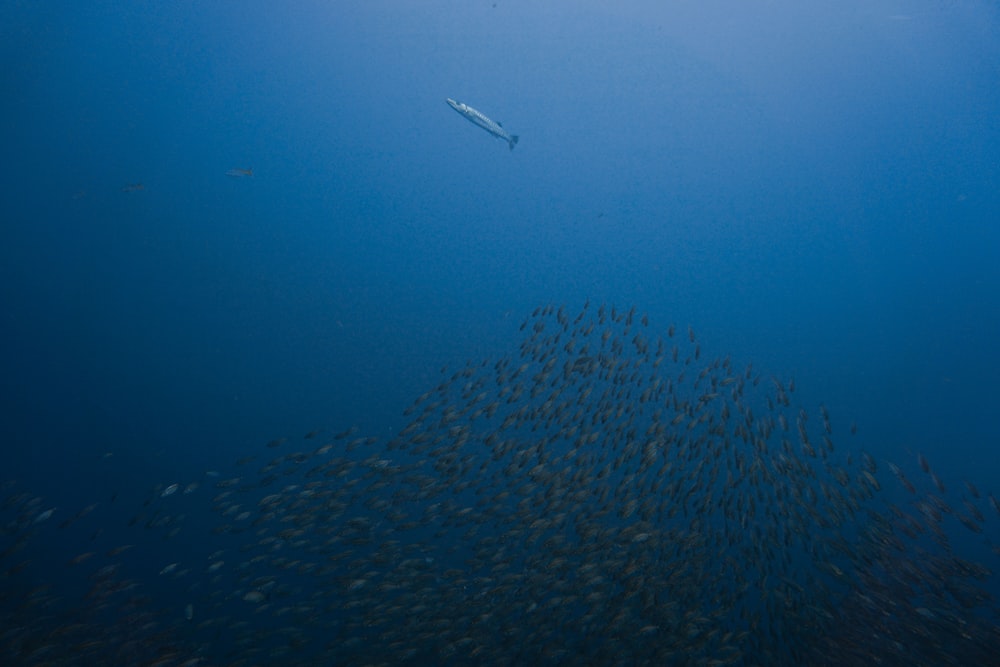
(813, 187)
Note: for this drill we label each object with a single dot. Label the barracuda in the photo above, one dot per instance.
(482, 121)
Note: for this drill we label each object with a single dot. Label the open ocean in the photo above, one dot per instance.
(298, 366)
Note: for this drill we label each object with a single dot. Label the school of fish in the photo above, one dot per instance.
(603, 495)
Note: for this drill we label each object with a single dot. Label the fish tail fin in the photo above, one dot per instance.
(513, 140)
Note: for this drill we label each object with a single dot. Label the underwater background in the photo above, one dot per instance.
(231, 223)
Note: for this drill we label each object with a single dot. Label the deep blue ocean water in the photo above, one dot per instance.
(812, 187)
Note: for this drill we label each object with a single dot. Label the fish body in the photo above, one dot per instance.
(483, 121)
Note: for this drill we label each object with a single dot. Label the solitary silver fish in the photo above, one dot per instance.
(482, 121)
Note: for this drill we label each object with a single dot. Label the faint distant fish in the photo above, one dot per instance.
(133, 187)
(44, 516)
(254, 596)
(488, 124)
(239, 173)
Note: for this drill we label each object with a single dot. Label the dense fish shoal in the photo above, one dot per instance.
(604, 494)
